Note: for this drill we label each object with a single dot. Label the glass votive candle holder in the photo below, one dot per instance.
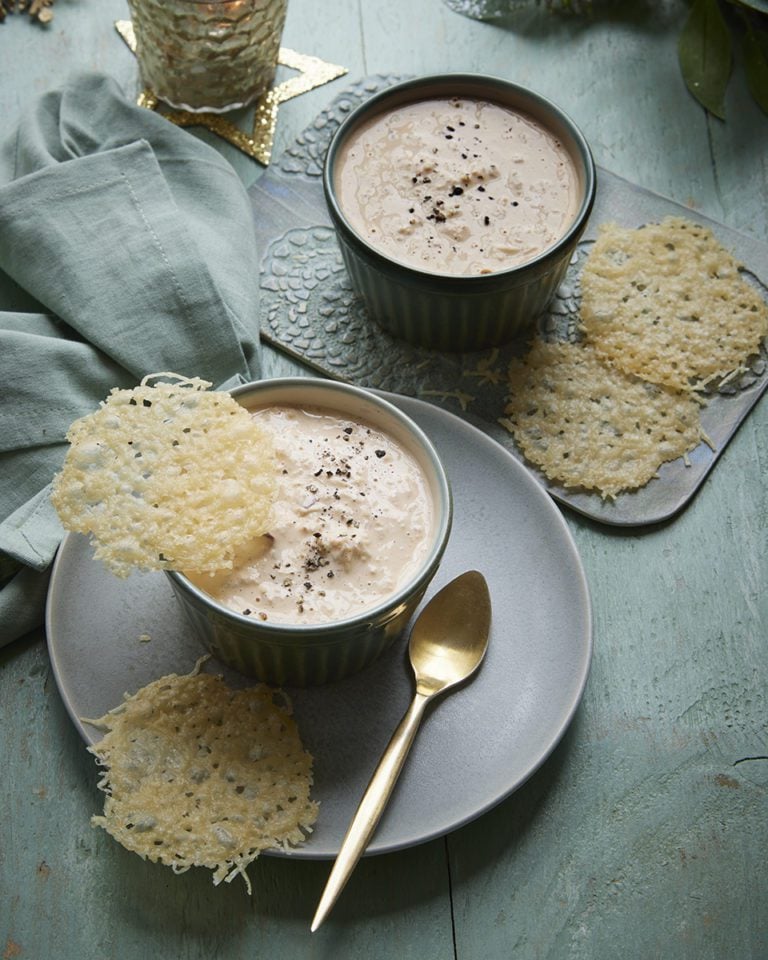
(208, 56)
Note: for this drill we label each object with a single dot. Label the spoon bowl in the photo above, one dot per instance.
(447, 645)
(449, 639)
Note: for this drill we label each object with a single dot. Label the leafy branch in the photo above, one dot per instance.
(705, 50)
(706, 44)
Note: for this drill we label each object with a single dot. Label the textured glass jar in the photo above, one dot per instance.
(212, 56)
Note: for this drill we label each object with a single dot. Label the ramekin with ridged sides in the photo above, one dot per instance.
(468, 312)
(313, 654)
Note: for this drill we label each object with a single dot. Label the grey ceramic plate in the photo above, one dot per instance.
(308, 309)
(476, 746)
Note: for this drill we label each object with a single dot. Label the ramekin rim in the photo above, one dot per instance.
(318, 632)
(553, 252)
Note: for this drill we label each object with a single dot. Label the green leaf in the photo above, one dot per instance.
(756, 65)
(756, 6)
(705, 53)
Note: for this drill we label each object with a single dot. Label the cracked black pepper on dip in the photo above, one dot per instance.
(351, 522)
(457, 186)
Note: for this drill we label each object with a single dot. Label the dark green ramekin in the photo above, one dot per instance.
(464, 313)
(285, 654)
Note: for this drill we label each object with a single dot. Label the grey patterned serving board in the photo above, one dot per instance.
(308, 310)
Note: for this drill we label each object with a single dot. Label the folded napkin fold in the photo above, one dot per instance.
(127, 247)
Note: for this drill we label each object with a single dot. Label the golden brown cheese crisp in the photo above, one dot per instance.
(668, 303)
(197, 774)
(166, 476)
(588, 425)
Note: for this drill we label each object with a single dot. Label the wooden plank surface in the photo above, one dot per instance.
(644, 835)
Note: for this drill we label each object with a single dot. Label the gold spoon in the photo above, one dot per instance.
(447, 645)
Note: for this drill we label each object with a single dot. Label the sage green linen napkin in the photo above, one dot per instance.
(127, 247)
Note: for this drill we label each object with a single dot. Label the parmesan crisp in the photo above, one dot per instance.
(166, 476)
(665, 311)
(588, 425)
(669, 304)
(197, 774)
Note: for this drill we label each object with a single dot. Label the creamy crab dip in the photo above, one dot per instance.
(352, 521)
(457, 186)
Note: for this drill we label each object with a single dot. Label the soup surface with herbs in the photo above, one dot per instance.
(352, 521)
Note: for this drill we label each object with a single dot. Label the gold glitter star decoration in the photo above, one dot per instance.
(39, 10)
(312, 72)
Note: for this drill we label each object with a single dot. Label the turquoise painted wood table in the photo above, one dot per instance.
(644, 834)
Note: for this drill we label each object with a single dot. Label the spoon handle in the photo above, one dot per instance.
(371, 807)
